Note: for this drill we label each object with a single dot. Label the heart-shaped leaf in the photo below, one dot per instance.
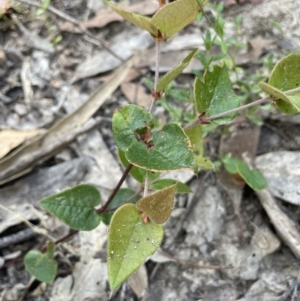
(75, 206)
(128, 123)
(41, 265)
(138, 173)
(172, 74)
(158, 206)
(130, 243)
(215, 94)
(175, 16)
(122, 195)
(284, 77)
(171, 150)
(196, 138)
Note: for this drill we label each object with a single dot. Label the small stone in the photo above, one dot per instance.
(21, 109)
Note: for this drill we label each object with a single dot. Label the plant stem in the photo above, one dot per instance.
(156, 77)
(292, 91)
(146, 185)
(241, 108)
(128, 168)
(104, 207)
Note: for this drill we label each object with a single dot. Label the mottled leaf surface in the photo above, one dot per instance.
(171, 151)
(158, 205)
(138, 173)
(215, 94)
(128, 123)
(130, 243)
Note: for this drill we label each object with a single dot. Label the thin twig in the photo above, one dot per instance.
(61, 239)
(111, 197)
(241, 108)
(128, 168)
(146, 185)
(156, 77)
(125, 202)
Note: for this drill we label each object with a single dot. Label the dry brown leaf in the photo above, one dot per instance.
(256, 47)
(9, 139)
(136, 93)
(138, 281)
(30, 152)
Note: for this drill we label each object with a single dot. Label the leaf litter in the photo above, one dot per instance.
(214, 239)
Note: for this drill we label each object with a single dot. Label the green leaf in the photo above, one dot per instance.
(196, 138)
(42, 266)
(230, 163)
(167, 21)
(75, 206)
(251, 176)
(122, 195)
(285, 76)
(163, 183)
(172, 74)
(159, 205)
(171, 150)
(282, 100)
(136, 19)
(215, 94)
(176, 15)
(130, 243)
(219, 27)
(128, 123)
(138, 173)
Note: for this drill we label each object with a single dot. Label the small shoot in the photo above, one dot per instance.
(42, 265)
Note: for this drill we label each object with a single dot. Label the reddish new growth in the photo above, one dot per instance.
(162, 3)
(157, 95)
(145, 218)
(202, 119)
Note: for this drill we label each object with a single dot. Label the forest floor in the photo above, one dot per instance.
(52, 61)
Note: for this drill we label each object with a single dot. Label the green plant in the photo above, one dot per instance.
(136, 226)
